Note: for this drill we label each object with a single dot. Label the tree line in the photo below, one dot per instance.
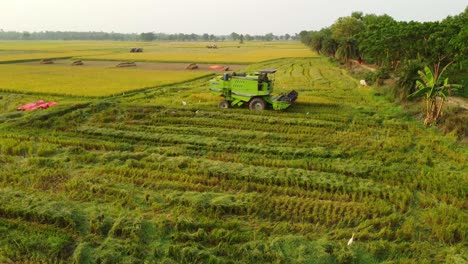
(145, 36)
(66, 35)
(150, 36)
(399, 46)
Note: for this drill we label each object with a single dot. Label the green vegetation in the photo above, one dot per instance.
(396, 51)
(433, 91)
(142, 178)
(388, 43)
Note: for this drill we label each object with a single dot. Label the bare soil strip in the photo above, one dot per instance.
(141, 65)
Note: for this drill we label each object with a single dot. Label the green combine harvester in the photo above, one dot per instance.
(252, 89)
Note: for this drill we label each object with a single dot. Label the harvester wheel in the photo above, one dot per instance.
(224, 104)
(257, 104)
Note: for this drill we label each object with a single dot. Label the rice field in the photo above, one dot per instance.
(143, 178)
(36, 56)
(235, 55)
(227, 52)
(94, 82)
(98, 82)
(11, 51)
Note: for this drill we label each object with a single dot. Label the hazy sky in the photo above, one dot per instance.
(208, 16)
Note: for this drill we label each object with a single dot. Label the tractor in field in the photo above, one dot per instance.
(252, 89)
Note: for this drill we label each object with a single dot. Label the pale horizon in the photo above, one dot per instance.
(208, 16)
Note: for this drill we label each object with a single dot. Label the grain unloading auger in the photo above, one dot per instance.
(253, 89)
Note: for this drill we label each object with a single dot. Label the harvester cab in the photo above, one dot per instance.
(254, 89)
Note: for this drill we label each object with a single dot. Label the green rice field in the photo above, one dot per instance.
(161, 175)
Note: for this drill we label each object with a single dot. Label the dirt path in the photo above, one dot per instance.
(458, 101)
(139, 65)
(362, 65)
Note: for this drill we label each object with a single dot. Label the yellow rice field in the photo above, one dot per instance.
(221, 55)
(227, 52)
(94, 82)
(29, 56)
(97, 82)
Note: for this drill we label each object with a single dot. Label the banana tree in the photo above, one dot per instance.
(433, 91)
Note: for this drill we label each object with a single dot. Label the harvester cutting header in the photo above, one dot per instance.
(253, 89)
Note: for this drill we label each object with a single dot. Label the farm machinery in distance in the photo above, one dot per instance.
(252, 89)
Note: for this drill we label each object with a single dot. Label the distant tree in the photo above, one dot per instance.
(408, 75)
(315, 40)
(269, 37)
(458, 44)
(26, 35)
(373, 22)
(206, 37)
(287, 36)
(150, 36)
(193, 37)
(235, 36)
(347, 49)
(345, 31)
(381, 36)
(357, 14)
(329, 45)
(346, 27)
(304, 36)
(241, 39)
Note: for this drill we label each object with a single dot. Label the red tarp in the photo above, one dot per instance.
(41, 104)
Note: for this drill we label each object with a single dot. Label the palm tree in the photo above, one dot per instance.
(347, 49)
(432, 89)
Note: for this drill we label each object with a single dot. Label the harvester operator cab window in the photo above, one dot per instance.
(262, 77)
